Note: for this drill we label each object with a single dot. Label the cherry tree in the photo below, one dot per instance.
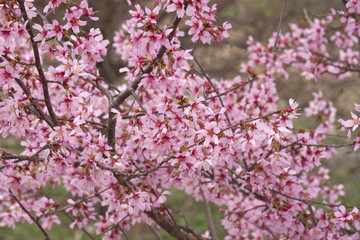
(120, 150)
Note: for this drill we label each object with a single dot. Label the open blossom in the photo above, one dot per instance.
(351, 124)
(74, 24)
(43, 33)
(353, 6)
(207, 164)
(343, 215)
(178, 6)
(53, 4)
(293, 105)
(48, 221)
(55, 29)
(210, 132)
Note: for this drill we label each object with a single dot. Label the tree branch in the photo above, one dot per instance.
(251, 79)
(216, 91)
(135, 84)
(38, 63)
(78, 202)
(279, 26)
(157, 235)
(7, 156)
(32, 218)
(168, 225)
(209, 217)
(33, 102)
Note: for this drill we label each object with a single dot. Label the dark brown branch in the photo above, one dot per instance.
(100, 125)
(135, 84)
(105, 91)
(17, 61)
(33, 102)
(8, 156)
(38, 63)
(168, 225)
(32, 218)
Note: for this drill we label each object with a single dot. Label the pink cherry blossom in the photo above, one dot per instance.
(342, 214)
(119, 150)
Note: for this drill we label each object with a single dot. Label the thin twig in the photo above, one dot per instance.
(28, 213)
(279, 26)
(82, 229)
(251, 79)
(209, 217)
(137, 100)
(77, 202)
(87, 121)
(147, 172)
(157, 235)
(124, 233)
(310, 201)
(69, 216)
(253, 208)
(113, 227)
(216, 91)
(262, 198)
(306, 15)
(140, 114)
(263, 227)
(250, 120)
(103, 79)
(326, 146)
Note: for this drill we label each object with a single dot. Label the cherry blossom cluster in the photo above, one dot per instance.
(351, 125)
(120, 150)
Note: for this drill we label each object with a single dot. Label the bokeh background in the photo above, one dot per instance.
(258, 18)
